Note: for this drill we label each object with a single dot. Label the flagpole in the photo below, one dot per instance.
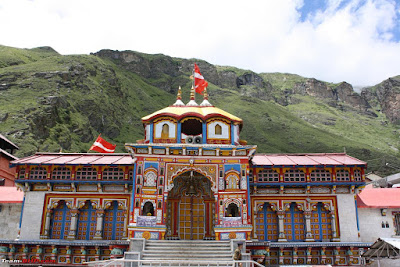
(193, 84)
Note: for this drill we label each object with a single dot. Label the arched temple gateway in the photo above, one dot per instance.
(190, 178)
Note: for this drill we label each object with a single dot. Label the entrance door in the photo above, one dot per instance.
(191, 218)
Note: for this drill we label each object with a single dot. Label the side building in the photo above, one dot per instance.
(190, 177)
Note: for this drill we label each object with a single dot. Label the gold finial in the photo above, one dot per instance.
(179, 97)
(205, 94)
(192, 93)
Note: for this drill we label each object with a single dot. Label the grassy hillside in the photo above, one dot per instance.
(50, 102)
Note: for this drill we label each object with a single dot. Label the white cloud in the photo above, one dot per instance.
(352, 43)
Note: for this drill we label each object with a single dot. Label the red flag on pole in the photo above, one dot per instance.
(199, 83)
(102, 146)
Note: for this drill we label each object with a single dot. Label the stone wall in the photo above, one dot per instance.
(32, 215)
(9, 220)
(371, 224)
(347, 218)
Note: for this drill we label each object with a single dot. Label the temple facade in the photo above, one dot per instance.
(190, 177)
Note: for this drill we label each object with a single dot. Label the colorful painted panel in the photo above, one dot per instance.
(294, 224)
(60, 222)
(86, 222)
(267, 224)
(321, 224)
(113, 223)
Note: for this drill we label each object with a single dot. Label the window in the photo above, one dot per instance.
(294, 176)
(60, 221)
(38, 173)
(21, 174)
(268, 176)
(251, 178)
(232, 210)
(148, 209)
(150, 179)
(294, 224)
(232, 181)
(86, 173)
(342, 176)
(320, 176)
(165, 131)
(357, 176)
(218, 129)
(267, 224)
(61, 173)
(130, 175)
(113, 173)
(321, 227)
(113, 223)
(86, 222)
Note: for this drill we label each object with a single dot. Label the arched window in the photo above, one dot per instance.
(267, 224)
(268, 176)
(38, 173)
(295, 176)
(320, 176)
(150, 178)
(61, 173)
(165, 131)
(114, 222)
(321, 227)
(148, 209)
(294, 224)
(86, 173)
(86, 222)
(218, 129)
(113, 173)
(130, 175)
(232, 210)
(357, 176)
(60, 221)
(342, 175)
(232, 181)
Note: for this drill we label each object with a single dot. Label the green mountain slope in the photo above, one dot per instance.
(50, 102)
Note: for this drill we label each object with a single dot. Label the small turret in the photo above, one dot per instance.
(192, 102)
(205, 102)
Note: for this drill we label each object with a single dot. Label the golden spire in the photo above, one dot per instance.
(192, 93)
(192, 102)
(205, 94)
(179, 96)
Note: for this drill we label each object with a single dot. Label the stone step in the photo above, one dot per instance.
(186, 249)
(185, 253)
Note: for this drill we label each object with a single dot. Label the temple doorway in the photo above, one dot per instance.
(190, 208)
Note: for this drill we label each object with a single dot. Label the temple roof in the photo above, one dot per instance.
(203, 112)
(305, 159)
(379, 198)
(76, 159)
(10, 194)
(7, 144)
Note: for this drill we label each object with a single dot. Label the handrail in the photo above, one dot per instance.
(244, 263)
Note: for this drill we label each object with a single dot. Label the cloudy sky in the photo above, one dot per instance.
(357, 41)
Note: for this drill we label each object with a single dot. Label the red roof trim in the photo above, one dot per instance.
(190, 114)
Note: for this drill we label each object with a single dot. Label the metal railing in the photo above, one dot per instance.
(172, 263)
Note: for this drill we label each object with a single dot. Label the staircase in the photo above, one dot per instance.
(196, 252)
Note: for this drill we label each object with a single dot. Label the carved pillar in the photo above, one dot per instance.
(323, 255)
(336, 253)
(99, 224)
(309, 255)
(280, 259)
(74, 224)
(126, 223)
(350, 256)
(281, 217)
(69, 253)
(98, 252)
(25, 251)
(294, 254)
(255, 215)
(46, 233)
(39, 252)
(83, 254)
(335, 237)
(309, 235)
(54, 252)
(11, 252)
